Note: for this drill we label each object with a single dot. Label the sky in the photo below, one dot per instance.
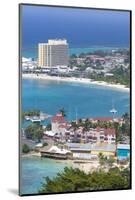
(81, 27)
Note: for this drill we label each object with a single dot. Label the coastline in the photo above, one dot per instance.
(76, 80)
(84, 165)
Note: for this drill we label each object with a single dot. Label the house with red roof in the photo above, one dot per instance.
(102, 135)
(94, 135)
(101, 119)
(59, 124)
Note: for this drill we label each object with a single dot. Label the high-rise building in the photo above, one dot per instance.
(53, 53)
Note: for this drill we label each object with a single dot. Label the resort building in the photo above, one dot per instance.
(97, 135)
(107, 120)
(63, 131)
(54, 53)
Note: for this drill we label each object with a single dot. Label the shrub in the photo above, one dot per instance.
(25, 148)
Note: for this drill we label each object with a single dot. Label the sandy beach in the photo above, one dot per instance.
(75, 80)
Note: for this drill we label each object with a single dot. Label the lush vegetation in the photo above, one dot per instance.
(106, 162)
(25, 148)
(48, 127)
(34, 132)
(120, 75)
(45, 144)
(76, 180)
(125, 129)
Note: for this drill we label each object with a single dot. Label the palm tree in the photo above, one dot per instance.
(126, 117)
(63, 112)
(102, 159)
(110, 161)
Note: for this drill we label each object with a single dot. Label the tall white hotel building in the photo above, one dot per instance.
(54, 53)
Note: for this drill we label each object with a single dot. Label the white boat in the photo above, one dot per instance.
(113, 110)
(35, 119)
(27, 118)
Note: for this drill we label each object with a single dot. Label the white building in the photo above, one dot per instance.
(59, 124)
(53, 53)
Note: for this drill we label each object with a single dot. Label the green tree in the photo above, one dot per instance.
(34, 132)
(102, 159)
(48, 127)
(62, 110)
(76, 180)
(25, 148)
(126, 116)
(110, 161)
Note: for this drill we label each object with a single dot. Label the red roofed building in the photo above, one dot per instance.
(110, 135)
(102, 135)
(102, 119)
(59, 124)
(58, 118)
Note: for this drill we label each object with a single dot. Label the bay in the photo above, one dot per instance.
(85, 99)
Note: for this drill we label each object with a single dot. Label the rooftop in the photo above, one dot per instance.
(123, 146)
(57, 41)
(102, 119)
(85, 147)
(55, 149)
(58, 118)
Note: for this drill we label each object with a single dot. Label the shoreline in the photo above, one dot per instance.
(84, 165)
(76, 80)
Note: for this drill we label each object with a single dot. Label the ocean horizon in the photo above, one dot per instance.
(32, 51)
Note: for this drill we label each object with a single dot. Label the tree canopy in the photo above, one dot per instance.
(34, 132)
(25, 148)
(76, 180)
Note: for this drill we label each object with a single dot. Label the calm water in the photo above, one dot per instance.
(84, 99)
(33, 169)
(79, 26)
(33, 52)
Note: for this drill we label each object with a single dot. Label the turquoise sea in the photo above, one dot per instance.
(34, 169)
(33, 52)
(85, 99)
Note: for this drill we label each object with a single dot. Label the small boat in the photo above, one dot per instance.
(113, 110)
(35, 119)
(27, 118)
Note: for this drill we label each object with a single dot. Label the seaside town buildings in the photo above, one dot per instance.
(54, 53)
(63, 131)
(84, 144)
(54, 59)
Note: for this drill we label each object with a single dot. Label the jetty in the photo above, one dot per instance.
(41, 117)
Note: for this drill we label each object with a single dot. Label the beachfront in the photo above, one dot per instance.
(85, 165)
(75, 80)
